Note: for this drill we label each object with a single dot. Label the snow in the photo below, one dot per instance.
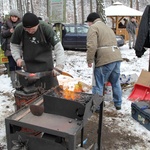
(75, 64)
(118, 9)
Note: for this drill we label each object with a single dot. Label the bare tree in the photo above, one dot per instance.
(48, 8)
(32, 10)
(91, 6)
(101, 10)
(19, 6)
(75, 15)
(137, 4)
(131, 4)
(82, 11)
(10, 4)
(28, 5)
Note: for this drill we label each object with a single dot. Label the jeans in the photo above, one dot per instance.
(111, 73)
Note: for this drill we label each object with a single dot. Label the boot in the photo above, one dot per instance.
(13, 78)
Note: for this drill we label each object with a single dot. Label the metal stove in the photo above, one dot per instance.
(58, 126)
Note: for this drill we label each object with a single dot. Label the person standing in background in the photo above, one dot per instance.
(7, 31)
(131, 28)
(47, 20)
(105, 58)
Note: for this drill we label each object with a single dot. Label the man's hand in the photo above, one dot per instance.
(55, 72)
(89, 65)
(20, 62)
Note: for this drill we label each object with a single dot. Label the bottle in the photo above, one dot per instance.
(108, 92)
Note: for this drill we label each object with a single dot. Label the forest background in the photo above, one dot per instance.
(71, 11)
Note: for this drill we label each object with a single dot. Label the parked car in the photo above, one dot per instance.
(75, 37)
(120, 40)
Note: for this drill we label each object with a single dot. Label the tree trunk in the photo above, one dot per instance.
(137, 4)
(32, 10)
(91, 6)
(101, 10)
(131, 4)
(19, 6)
(75, 16)
(10, 4)
(28, 5)
(82, 11)
(48, 8)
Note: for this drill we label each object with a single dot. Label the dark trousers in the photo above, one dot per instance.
(12, 64)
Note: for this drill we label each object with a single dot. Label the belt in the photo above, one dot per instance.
(109, 47)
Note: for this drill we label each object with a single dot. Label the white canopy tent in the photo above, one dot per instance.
(117, 12)
(118, 9)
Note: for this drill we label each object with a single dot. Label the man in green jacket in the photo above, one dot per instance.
(36, 38)
(104, 56)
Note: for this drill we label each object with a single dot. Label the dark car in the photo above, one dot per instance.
(120, 40)
(75, 37)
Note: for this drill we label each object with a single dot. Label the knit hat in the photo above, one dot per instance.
(14, 12)
(92, 16)
(30, 20)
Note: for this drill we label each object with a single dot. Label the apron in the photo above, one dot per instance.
(37, 55)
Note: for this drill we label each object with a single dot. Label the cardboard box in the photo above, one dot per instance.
(144, 78)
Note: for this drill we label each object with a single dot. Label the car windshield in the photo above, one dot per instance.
(82, 29)
(77, 29)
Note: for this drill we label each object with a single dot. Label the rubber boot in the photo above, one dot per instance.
(13, 78)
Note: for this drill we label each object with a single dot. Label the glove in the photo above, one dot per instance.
(140, 53)
(57, 70)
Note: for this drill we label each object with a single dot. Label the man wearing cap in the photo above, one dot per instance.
(104, 56)
(36, 39)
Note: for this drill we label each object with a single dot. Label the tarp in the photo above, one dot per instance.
(118, 9)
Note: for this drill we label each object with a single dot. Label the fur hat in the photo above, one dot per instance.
(30, 20)
(14, 12)
(92, 16)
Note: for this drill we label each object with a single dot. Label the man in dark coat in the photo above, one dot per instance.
(143, 37)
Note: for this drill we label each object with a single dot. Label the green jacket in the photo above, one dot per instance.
(102, 45)
(48, 38)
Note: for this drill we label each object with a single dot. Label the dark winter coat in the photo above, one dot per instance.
(7, 34)
(143, 37)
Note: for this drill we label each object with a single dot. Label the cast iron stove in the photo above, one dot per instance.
(62, 117)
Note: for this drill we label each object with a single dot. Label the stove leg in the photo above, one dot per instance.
(82, 131)
(100, 125)
(72, 143)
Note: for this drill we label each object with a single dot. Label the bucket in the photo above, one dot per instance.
(21, 99)
(108, 92)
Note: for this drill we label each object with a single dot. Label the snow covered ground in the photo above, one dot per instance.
(76, 65)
